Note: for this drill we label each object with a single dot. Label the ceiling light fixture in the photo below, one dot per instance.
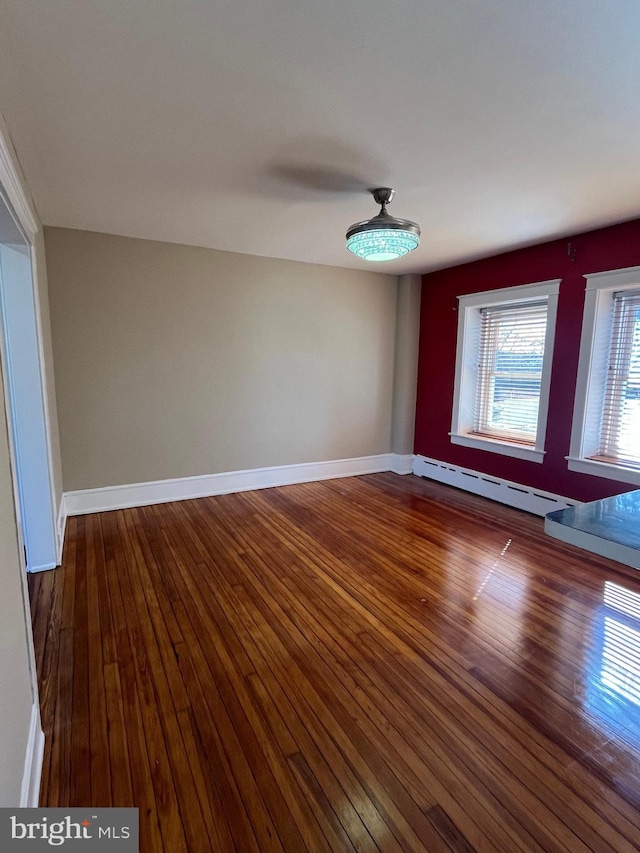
(383, 238)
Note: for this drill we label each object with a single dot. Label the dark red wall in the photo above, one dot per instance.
(595, 251)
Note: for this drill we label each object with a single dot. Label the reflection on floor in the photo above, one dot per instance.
(609, 527)
(614, 693)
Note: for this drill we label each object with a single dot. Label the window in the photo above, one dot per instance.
(503, 368)
(620, 431)
(510, 371)
(605, 438)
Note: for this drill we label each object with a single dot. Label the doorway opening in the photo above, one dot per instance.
(24, 396)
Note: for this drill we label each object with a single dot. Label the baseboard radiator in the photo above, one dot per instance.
(516, 495)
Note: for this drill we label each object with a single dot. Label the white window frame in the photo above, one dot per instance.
(592, 367)
(466, 376)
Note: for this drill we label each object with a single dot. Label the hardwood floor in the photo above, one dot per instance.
(375, 663)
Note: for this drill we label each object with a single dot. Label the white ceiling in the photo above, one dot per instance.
(257, 125)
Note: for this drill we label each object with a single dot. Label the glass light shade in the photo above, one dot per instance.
(382, 244)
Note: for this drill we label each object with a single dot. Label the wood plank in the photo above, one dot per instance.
(371, 664)
(99, 637)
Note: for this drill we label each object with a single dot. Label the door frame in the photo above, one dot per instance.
(13, 193)
(19, 206)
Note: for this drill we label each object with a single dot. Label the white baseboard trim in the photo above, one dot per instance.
(400, 464)
(30, 792)
(185, 488)
(61, 527)
(516, 495)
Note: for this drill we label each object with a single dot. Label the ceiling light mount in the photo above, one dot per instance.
(383, 238)
(383, 195)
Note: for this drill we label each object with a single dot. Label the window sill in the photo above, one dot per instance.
(518, 451)
(608, 470)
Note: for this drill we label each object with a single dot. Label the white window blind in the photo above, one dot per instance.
(620, 422)
(511, 353)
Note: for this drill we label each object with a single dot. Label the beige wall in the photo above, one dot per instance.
(173, 361)
(16, 693)
(405, 383)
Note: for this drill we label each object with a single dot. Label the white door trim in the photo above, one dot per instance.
(12, 187)
(13, 194)
(30, 791)
(20, 205)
